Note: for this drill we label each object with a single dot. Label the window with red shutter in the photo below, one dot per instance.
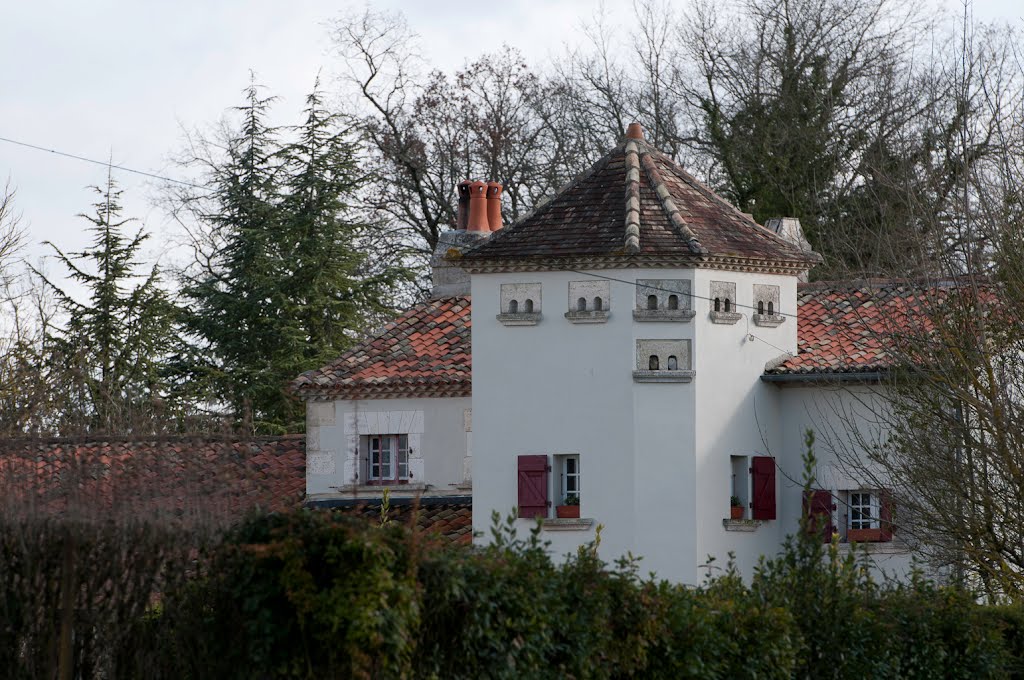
(818, 506)
(885, 513)
(762, 471)
(533, 486)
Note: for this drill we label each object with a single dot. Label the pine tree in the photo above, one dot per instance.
(105, 361)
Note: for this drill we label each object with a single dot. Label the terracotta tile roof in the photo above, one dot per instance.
(425, 352)
(451, 519)
(203, 478)
(636, 204)
(857, 326)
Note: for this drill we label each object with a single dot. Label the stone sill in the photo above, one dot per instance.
(673, 315)
(725, 317)
(880, 548)
(379, 488)
(587, 317)
(769, 320)
(680, 376)
(519, 319)
(746, 525)
(566, 524)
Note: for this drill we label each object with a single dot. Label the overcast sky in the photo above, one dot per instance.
(121, 78)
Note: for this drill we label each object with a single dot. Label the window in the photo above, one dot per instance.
(528, 307)
(718, 304)
(652, 302)
(388, 458)
(760, 306)
(771, 308)
(569, 474)
(673, 364)
(598, 304)
(863, 510)
(513, 307)
(728, 305)
(581, 304)
(652, 363)
(673, 302)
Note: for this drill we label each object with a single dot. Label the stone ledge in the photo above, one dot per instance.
(519, 319)
(747, 525)
(879, 548)
(670, 315)
(587, 317)
(566, 524)
(725, 317)
(769, 320)
(379, 488)
(679, 376)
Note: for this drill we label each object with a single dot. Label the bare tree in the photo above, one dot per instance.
(944, 432)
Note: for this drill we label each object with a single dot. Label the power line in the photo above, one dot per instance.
(105, 164)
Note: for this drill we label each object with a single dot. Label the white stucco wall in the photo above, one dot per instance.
(825, 409)
(440, 461)
(655, 457)
(736, 413)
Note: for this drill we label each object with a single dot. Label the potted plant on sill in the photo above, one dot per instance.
(735, 508)
(570, 508)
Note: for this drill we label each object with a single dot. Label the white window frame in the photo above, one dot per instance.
(388, 455)
(857, 506)
(568, 482)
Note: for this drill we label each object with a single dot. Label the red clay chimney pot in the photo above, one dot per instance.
(494, 205)
(634, 131)
(478, 207)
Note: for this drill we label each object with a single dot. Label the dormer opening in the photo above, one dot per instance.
(760, 306)
(598, 304)
(771, 308)
(652, 363)
(528, 306)
(652, 302)
(581, 305)
(728, 305)
(513, 307)
(718, 304)
(673, 302)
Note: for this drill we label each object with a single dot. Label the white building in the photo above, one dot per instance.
(638, 346)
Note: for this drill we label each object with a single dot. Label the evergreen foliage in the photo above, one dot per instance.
(279, 286)
(105, 362)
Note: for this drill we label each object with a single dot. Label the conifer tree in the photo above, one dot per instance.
(279, 285)
(105, 360)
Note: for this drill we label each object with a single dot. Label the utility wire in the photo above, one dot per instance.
(105, 164)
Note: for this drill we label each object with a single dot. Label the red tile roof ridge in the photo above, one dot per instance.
(100, 438)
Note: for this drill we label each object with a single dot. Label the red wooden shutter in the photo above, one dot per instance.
(885, 507)
(533, 486)
(763, 473)
(818, 506)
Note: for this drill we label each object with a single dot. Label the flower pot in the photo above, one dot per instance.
(736, 512)
(863, 535)
(568, 511)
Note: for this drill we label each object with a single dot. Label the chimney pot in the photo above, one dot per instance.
(494, 206)
(634, 131)
(462, 215)
(477, 220)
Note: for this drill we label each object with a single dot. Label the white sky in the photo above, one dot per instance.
(123, 77)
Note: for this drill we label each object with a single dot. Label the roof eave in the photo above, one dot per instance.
(829, 378)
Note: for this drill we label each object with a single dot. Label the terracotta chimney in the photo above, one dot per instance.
(634, 131)
(477, 220)
(462, 215)
(494, 206)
